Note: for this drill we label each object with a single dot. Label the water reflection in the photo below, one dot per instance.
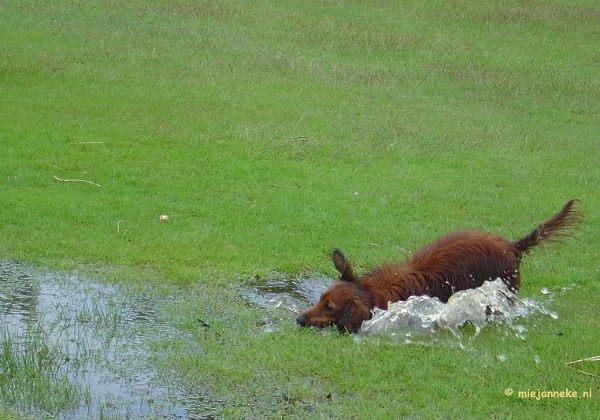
(18, 296)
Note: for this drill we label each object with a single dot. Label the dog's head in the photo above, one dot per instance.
(345, 304)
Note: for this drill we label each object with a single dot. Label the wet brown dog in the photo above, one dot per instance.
(457, 261)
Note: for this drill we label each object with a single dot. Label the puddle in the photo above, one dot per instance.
(420, 319)
(291, 294)
(92, 340)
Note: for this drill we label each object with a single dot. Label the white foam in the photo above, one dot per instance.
(423, 319)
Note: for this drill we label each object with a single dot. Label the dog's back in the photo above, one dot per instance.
(465, 259)
(457, 261)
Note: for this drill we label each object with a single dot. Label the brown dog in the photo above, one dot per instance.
(457, 261)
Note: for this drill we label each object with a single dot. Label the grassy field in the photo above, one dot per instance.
(273, 132)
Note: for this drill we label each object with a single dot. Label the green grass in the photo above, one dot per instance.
(272, 132)
(32, 374)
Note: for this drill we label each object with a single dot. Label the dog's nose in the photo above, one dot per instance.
(301, 321)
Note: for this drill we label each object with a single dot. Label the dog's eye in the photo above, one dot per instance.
(328, 308)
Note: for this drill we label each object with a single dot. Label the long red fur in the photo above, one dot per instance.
(457, 261)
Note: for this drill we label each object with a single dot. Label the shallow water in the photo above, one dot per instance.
(420, 319)
(291, 294)
(104, 334)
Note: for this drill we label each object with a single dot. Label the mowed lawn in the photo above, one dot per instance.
(271, 132)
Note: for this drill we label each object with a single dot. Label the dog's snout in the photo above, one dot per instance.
(301, 321)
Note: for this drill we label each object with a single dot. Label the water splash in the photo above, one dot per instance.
(423, 318)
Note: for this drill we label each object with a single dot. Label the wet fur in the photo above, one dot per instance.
(457, 261)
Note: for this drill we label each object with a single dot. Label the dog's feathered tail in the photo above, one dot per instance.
(557, 226)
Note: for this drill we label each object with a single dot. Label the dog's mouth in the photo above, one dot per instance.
(304, 323)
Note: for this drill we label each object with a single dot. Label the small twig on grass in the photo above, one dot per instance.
(76, 180)
(60, 168)
(585, 372)
(203, 324)
(587, 359)
(119, 225)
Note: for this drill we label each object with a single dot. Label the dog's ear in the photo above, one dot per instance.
(355, 312)
(343, 266)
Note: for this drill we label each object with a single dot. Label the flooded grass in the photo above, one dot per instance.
(75, 349)
(32, 375)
